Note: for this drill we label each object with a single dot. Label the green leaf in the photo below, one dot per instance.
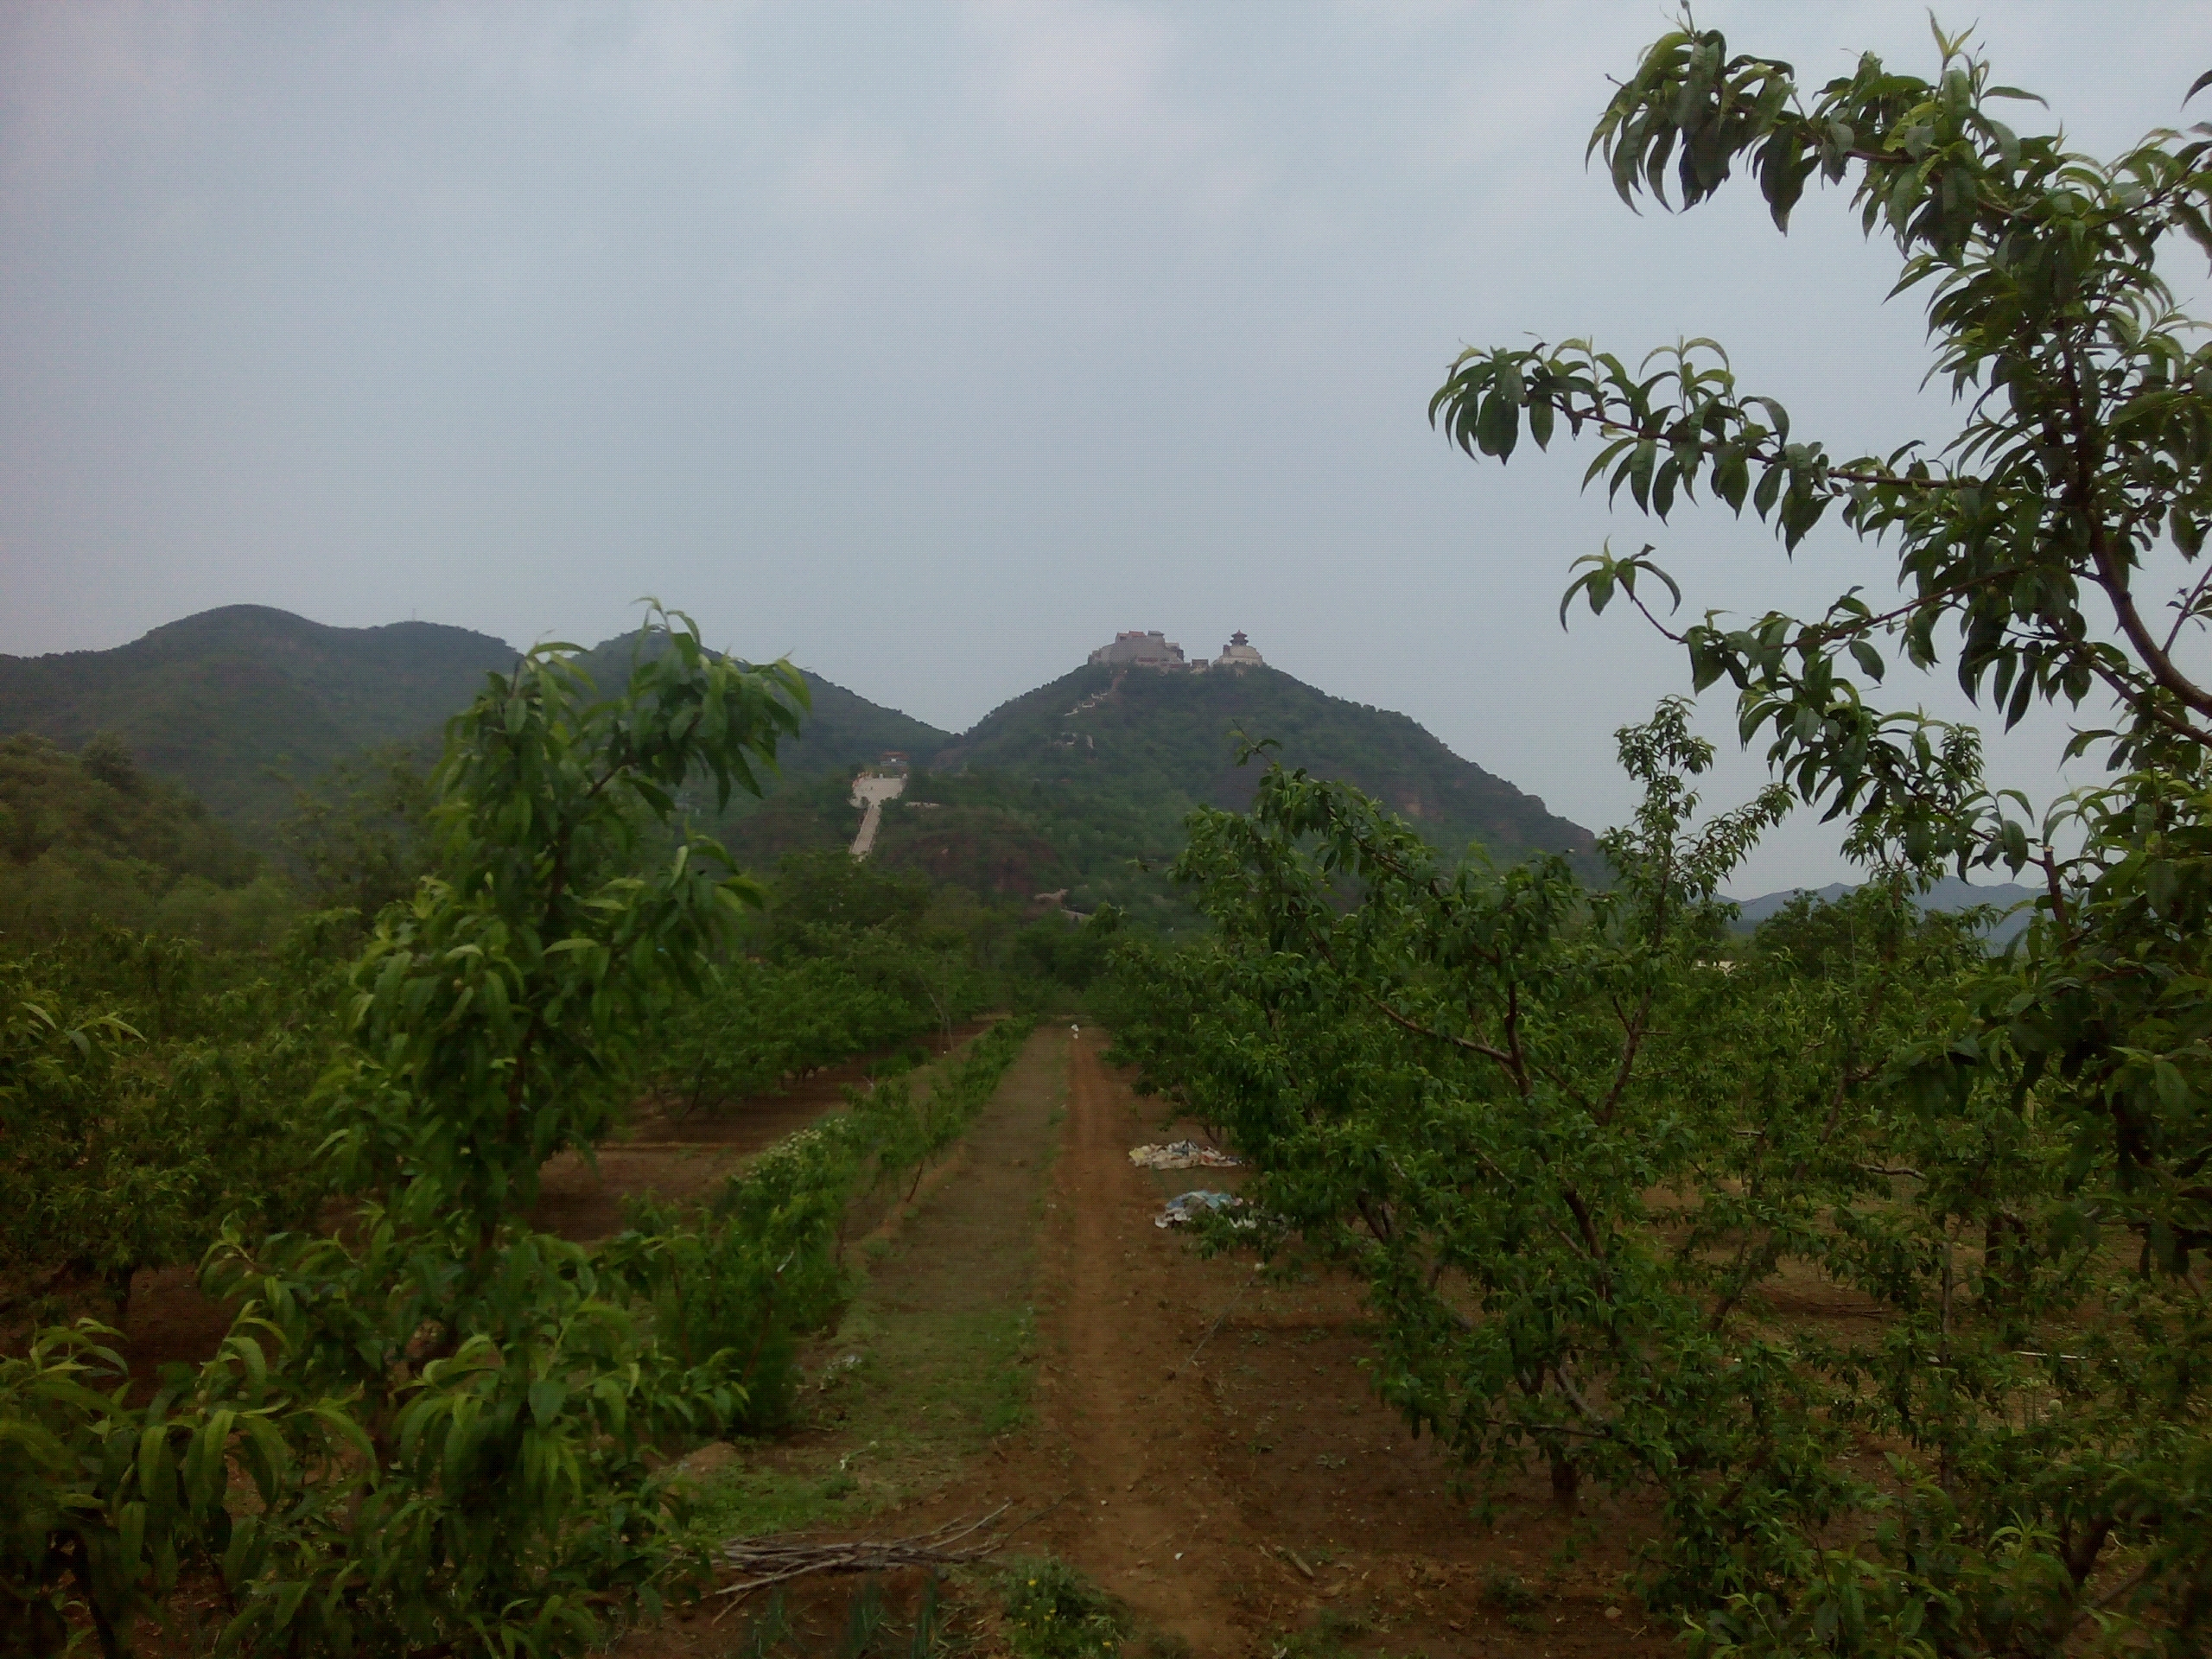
(1540, 423)
(547, 1397)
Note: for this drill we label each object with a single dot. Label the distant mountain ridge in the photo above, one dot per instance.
(227, 701)
(1949, 893)
(1146, 732)
(237, 703)
(1071, 785)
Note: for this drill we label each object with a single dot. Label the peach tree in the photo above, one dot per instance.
(435, 1430)
(1586, 1176)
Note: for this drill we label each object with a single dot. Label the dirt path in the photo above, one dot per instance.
(925, 1383)
(1226, 1467)
(1128, 1405)
(1200, 1441)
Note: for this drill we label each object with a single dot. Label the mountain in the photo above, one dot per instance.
(842, 732)
(235, 703)
(1081, 785)
(1169, 740)
(231, 701)
(1949, 893)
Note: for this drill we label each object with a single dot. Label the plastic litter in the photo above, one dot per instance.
(1182, 1154)
(1182, 1211)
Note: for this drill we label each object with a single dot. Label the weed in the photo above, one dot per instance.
(865, 1619)
(871, 1632)
(1504, 1592)
(929, 1625)
(1052, 1612)
(1324, 1638)
(768, 1630)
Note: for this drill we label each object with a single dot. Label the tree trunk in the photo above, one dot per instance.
(1566, 1480)
(119, 1292)
(2004, 1258)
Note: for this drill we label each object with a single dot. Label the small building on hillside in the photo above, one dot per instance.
(1150, 648)
(1239, 653)
(1141, 649)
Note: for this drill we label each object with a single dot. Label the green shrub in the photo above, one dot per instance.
(1052, 1612)
(747, 1278)
(759, 1270)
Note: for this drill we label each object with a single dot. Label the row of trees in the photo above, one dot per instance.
(432, 1429)
(88, 840)
(1877, 1262)
(146, 1091)
(152, 1087)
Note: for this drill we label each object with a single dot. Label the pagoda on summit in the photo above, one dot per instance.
(1239, 653)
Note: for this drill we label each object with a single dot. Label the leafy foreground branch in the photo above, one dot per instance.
(1880, 1265)
(437, 1432)
(1750, 1233)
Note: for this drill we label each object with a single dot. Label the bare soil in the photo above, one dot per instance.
(1226, 1468)
(1202, 1442)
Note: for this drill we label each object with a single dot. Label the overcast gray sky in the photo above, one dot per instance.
(930, 343)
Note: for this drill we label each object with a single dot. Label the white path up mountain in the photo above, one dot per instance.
(871, 791)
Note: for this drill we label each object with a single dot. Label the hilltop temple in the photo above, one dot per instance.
(1239, 653)
(1142, 648)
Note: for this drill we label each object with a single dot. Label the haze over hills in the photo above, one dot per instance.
(1078, 785)
(1146, 732)
(236, 703)
(229, 702)
(1950, 893)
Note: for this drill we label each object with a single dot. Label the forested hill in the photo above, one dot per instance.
(1082, 783)
(1146, 735)
(1949, 893)
(229, 702)
(843, 730)
(236, 704)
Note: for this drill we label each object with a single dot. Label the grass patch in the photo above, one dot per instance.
(929, 1391)
(1503, 1592)
(748, 1495)
(871, 1629)
(1325, 1638)
(1050, 1610)
(933, 1359)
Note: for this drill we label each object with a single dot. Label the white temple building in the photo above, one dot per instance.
(1149, 648)
(1239, 653)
